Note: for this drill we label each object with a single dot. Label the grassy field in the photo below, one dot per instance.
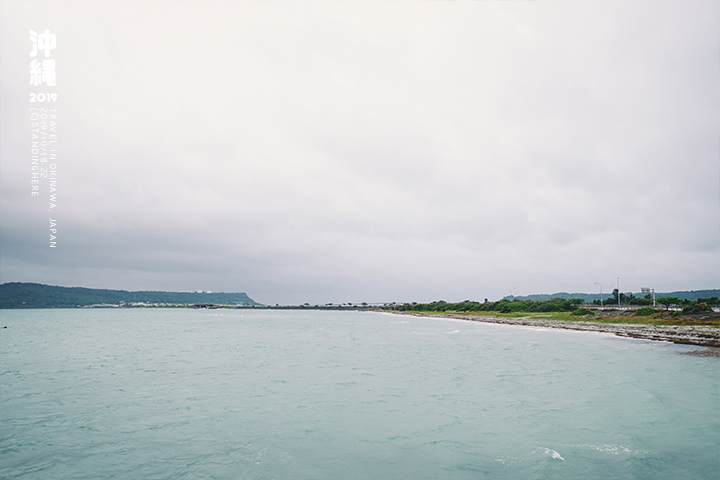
(658, 318)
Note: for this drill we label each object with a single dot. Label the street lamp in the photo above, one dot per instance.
(618, 287)
(601, 299)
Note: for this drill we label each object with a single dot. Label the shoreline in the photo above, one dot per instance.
(681, 334)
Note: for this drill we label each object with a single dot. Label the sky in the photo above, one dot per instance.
(365, 151)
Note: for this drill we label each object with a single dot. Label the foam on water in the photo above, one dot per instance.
(553, 454)
(262, 394)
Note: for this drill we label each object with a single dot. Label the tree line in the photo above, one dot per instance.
(501, 306)
(554, 305)
(688, 306)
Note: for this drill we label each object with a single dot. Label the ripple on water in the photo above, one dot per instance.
(181, 394)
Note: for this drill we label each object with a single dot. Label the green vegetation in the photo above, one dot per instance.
(35, 295)
(701, 305)
(625, 298)
(694, 312)
(606, 316)
(502, 306)
(554, 305)
(698, 307)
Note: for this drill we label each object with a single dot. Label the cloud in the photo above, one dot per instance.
(306, 151)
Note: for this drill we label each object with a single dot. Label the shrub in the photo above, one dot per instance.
(644, 311)
(696, 307)
(582, 311)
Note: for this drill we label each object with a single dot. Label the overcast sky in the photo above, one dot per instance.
(367, 151)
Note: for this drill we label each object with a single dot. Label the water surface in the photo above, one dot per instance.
(235, 394)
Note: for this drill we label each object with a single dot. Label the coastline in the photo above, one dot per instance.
(687, 335)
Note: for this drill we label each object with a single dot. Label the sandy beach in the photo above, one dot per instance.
(690, 335)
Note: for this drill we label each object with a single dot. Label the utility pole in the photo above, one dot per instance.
(618, 287)
(601, 299)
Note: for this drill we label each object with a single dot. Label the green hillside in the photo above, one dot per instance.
(692, 295)
(35, 295)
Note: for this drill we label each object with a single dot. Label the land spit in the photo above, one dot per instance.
(690, 335)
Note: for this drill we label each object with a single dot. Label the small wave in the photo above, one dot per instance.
(553, 454)
(539, 454)
(611, 449)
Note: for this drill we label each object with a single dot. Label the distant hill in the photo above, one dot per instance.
(36, 295)
(589, 297)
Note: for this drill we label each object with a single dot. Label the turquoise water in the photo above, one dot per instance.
(236, 394)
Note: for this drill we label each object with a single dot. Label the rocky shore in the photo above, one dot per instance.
(690, 335)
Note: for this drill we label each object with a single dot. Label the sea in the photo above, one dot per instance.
(155, 393)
